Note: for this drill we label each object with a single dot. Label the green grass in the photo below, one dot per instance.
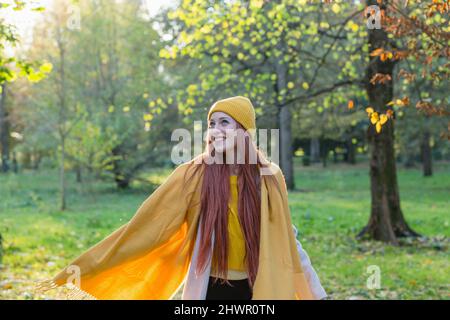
(333, 206)
(329, 208)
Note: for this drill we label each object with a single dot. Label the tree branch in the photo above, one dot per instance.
(323, 90)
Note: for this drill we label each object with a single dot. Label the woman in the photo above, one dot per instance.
(220, 224)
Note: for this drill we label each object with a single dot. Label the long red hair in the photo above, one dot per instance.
(215, 195)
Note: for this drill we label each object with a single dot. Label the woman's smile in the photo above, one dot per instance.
(220, 143)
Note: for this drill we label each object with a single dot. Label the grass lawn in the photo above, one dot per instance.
(329, 208)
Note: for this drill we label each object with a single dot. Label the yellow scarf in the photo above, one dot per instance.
(149, 257)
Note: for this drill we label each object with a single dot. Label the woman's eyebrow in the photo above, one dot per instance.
(220, 118)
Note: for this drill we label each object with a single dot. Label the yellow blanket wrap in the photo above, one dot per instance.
(149, 256)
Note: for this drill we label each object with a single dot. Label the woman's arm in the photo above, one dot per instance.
(143, 257)
(310, 273)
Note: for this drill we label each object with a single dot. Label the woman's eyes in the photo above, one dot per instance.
(223, 122)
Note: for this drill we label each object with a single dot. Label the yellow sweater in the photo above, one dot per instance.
(236, 250)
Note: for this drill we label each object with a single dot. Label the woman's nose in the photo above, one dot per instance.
(216, 131)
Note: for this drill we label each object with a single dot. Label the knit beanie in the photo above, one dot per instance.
(239, 108)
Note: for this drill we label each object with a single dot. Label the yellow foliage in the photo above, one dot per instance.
(378, 127)
(353, 26)
(46, 67)
(374, 118)
(377, 119)
(336, 8)
(148, 117)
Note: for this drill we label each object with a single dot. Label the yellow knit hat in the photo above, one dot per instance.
(239, 108)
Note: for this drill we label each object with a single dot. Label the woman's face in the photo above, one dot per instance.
(219, 124)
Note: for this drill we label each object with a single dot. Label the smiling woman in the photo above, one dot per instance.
(219, 124)
(225, 231)
(231, 211)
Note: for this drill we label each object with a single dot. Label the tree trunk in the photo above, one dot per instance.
(409, 160)
(351, 152)
(36, 158)
(324, 149)
(4, 130)
(14, 162)
(121, 179)
(122, 182)
(286, 147)
(315, 150)
(78, 173)
(324, 160)
(285, 119)
(386, 221)
(427, 161)
(62, 117)
(1, 248)
(62, 176)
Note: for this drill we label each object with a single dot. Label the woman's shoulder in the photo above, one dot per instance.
(271, 168)
(187, 170)
(192, 164)
(275, 176)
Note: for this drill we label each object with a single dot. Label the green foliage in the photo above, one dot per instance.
(89, 145)
(240, 48)
(101, 97)
(13, 67)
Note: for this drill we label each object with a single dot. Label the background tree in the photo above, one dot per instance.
(12, 67)
(276, 52)
(386, 221)
(112, 77)
(418, 33)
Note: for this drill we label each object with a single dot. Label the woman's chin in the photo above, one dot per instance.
(219, 147)
(220, 150)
